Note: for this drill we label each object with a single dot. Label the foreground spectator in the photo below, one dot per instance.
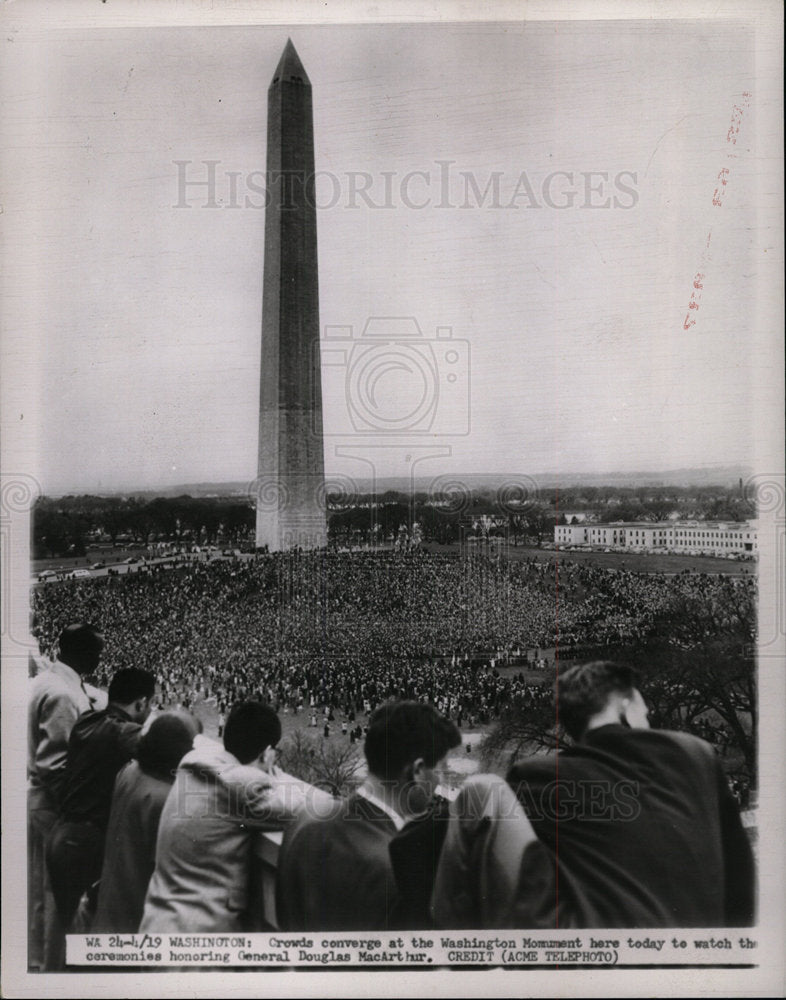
(100, 744)
(220, 797)
(335, 872)
(58, 696)
(639, 825)
(141, 789)
(490, 854)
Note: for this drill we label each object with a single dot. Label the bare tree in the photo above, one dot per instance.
(523, 728)
(332, 765)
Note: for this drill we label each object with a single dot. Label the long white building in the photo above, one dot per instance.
(718, 538)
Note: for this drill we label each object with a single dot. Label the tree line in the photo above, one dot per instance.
(69, 525)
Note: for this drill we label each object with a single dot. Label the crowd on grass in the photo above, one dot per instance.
(336, 634)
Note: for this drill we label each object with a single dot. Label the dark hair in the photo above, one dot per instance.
(401, 731)
(251, 727)
(166, 742)
(79, 641)
(128, 685)
(584, 690)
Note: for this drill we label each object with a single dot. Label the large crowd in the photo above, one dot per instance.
(343, 632)
(406, 648)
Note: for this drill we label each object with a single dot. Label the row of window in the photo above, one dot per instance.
(659, 536)
(662, 533)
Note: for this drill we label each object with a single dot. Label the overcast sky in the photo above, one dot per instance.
(133, 309)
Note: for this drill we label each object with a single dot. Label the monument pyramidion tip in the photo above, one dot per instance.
(290, 68)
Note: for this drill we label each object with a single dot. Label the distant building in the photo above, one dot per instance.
(716, 538)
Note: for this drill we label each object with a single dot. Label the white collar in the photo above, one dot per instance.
(365, 793)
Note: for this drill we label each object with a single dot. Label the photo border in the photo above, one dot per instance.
(18, 490)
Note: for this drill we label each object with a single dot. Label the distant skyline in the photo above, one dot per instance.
(531, 483)
(544, 190)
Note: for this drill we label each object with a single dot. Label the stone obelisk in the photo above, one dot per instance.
(290, 489)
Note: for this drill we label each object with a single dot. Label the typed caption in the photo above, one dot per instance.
(415, 949)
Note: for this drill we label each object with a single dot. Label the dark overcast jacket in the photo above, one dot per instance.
(335, 873)
(100, 744)
(644, 830)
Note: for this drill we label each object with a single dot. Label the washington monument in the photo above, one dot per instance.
(290, 490)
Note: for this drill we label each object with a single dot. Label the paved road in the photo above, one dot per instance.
(123, 567)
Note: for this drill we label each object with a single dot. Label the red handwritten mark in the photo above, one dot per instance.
(717, 201)
(734, 128)
(694, 300)
(717, 198)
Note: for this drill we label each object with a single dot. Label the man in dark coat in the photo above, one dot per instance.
(635, 827)
(335, 871)
(642, 822)
(100, 744)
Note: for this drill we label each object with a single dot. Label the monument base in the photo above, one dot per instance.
(283, 535)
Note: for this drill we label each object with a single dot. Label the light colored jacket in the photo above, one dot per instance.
(203, 853)
(57, 697)
(129, 855)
